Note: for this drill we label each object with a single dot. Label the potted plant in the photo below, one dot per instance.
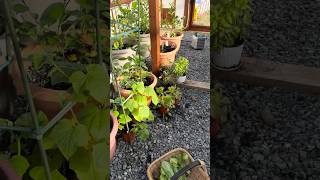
(168, 99)
(230, 21)
(122, 50)
(73, 139)
(133, 72)
(168, 51)
(180, 69)
(219, 109)
(58, 53)
(129, 15)
(133, 112)
(172, 27)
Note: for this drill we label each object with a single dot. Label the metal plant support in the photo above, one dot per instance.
(115, 36)
(37, 132)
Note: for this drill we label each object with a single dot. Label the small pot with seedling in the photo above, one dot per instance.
(168, 99)
(230, 21)
(180, 69)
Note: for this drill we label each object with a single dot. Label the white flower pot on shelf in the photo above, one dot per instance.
(181, 79)
(228, 58)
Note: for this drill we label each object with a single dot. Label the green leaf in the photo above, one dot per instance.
(91, 164)
(86, 3)
(38, 173)
(69, 137)
(131, 104)
(26, 119)
(123, 120)
(20, 8)
(20, 164)
(149, 91)
(96, 120)
(141, 100)
(52, 14)
(97, 83)
(167, 168)
(77, 79)
(138, 87)
(5, 122)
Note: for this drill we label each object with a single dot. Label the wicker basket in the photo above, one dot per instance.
(198, 168)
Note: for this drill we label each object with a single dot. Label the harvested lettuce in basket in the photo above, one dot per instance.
(173, 165)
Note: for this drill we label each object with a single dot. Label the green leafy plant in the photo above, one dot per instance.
(173, 23)
(180, 67)
(76, 139)
(66, 37)
(168, 99)
(219, 103)
(135, 107)
(129, 15)
(173, 165)
(229, 22)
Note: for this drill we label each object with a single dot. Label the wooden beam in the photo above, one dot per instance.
(267, 73)
(155, 35)
(197, 84)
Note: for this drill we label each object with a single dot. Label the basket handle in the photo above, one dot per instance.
(188, 167)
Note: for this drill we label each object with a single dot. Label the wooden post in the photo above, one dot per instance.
(155, 35)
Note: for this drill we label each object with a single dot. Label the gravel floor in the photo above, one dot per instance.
(286, 31)
(199, 68)
(273, 133)
(187, 128)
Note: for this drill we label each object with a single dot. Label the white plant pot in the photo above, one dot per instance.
(228, 58)
(119, 56)
(181, 79)
(145, 45)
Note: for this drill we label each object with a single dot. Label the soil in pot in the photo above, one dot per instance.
(163, 110)
(168, 51)
(129, 137)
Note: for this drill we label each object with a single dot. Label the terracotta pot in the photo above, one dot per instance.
(113, 141)
(126, 93)
(45, 99)
(129, 137)
(176, 40)
(167, 59)
(163, 110)
(7, 172)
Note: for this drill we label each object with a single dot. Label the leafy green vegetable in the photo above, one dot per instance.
(20, 164)
(173, 165)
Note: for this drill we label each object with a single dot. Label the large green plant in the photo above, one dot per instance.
(135, 107)
(173, 24)
(80, 140)
(130, 16)
(230, 20)
(67, 37)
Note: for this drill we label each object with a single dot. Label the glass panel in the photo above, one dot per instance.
(201, 13)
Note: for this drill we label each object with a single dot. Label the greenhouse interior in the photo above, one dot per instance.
(70, 70)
